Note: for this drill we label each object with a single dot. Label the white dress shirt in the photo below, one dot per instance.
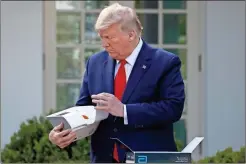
(128, 67)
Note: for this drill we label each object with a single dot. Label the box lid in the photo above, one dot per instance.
(77, 116)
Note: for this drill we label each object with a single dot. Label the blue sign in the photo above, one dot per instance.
(142, 159)
(162, 157)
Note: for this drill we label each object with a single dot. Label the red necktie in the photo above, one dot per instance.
(120, 80)
(119, 87)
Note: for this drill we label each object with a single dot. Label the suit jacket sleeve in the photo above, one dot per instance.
(84, 96)
(169, 108)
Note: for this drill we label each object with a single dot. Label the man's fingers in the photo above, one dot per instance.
(64, 133)
(69, 137)
(59, 127)
(100, 102)
(67, 140)
(102, 96)
(99, 97)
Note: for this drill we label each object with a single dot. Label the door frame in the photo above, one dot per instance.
(49, 55)
(195, 64)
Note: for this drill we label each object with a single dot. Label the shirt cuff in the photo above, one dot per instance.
(125, 116)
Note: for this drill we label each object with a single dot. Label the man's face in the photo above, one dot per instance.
(115, 41)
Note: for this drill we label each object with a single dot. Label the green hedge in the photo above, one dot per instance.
(226, 156)
(31, 145)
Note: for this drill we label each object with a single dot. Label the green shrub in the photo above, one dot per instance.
(226, 156)
(31, 144)
(179, 144)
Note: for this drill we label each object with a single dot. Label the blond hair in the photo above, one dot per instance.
(117, 13)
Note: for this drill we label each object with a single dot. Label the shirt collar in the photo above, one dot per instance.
(132, 58)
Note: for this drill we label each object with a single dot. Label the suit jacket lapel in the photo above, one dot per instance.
(108, 75)
(140, 67)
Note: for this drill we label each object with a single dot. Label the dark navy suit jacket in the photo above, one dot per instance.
(154, 99)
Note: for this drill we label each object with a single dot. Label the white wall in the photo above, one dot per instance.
(21, 64)
(224, 75)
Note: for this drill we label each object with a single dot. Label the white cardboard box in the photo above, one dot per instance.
(185, 156)
(84, 120)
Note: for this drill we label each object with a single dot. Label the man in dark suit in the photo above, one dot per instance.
(141, 87)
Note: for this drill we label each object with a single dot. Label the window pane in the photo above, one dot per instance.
(91, 35)
(183, 57)
(68, 63)
(180, 132)
(150, 27)
(68, 28)
(174, 29)
(177, 4)
(95, 4)
(67, 95)
(144, 4)
(68, 5)
(90, 51)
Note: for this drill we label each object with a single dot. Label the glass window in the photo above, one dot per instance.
(95, 4)
(177, 4)
(144, 4)
(180, 133)
(68, 28)
(186, 100)
(68, 63)
(90, 51)
(183, 57)
(150, 27)
(68, 5)
(174, 26)
(91, 36)
(67, 95)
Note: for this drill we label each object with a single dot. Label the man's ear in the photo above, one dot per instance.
(132, 35)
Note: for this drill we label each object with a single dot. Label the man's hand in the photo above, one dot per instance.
(108, 103)
(61, 138)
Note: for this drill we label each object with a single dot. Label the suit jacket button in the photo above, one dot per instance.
(115, 129)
